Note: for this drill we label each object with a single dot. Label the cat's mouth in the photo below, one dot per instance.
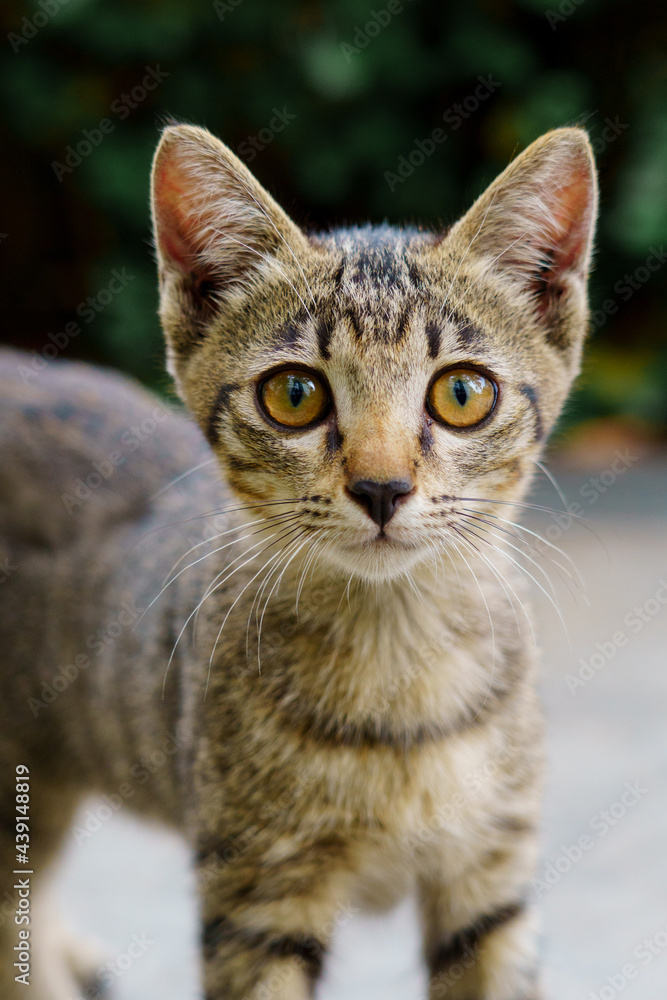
(381, 556)
(379, 540)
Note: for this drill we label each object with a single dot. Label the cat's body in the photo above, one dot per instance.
(383, 734)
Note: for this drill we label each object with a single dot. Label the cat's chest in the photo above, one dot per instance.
(376, 700)
(377, 724)
(392, 808)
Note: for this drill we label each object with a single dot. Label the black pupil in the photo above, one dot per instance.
(460, 392)
(296, 392)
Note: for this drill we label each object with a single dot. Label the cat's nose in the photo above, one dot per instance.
(380, 500)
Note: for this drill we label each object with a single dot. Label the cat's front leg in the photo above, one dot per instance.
(481, 950)
(267, 918)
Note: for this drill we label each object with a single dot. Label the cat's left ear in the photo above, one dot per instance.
(534, 225)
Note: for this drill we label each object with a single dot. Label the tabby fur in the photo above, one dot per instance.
(350, 716)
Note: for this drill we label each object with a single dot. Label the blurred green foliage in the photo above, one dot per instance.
(364, 82)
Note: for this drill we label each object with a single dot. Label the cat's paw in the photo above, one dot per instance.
(84, 958)
(65, 965)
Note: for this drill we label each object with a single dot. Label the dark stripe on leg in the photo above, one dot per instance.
(415, 276)
(469, 938)
(214, 932)
(304, 946)
(353, 320)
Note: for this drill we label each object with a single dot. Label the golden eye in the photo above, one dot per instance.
(462, 397)
(294, 398)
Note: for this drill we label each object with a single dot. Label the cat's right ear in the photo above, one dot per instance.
(218, 233)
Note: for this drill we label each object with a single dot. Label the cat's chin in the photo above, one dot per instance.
(379, 560)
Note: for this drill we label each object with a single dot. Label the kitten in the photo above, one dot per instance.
(302, 643)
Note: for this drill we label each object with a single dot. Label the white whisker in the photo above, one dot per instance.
(310, 559)
(565, 575)
(274, 519)
(240, 595)
(299, 545)
(182, 476)
(490, 617)
(209, 591)
(208, 555)
(553, 481)
(504, 583)
(266, 215)
(216, 512)
(525, 572)
(516, 548)
(270, 261)
(465, 253)
(575, 576)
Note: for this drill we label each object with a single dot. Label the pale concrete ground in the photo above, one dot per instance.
(599, 910)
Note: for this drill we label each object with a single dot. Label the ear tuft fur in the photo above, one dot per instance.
(535, 222)
(215, 227)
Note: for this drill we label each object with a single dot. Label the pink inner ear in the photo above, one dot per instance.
(175, 225)
(570, 222)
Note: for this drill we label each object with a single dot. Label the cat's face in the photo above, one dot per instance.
(385, 385)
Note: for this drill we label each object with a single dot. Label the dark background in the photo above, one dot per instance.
(363, 85)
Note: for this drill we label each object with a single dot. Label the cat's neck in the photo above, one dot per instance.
(410, 654)
(396, 662)
(455, 596)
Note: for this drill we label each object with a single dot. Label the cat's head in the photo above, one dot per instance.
(388, 383)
